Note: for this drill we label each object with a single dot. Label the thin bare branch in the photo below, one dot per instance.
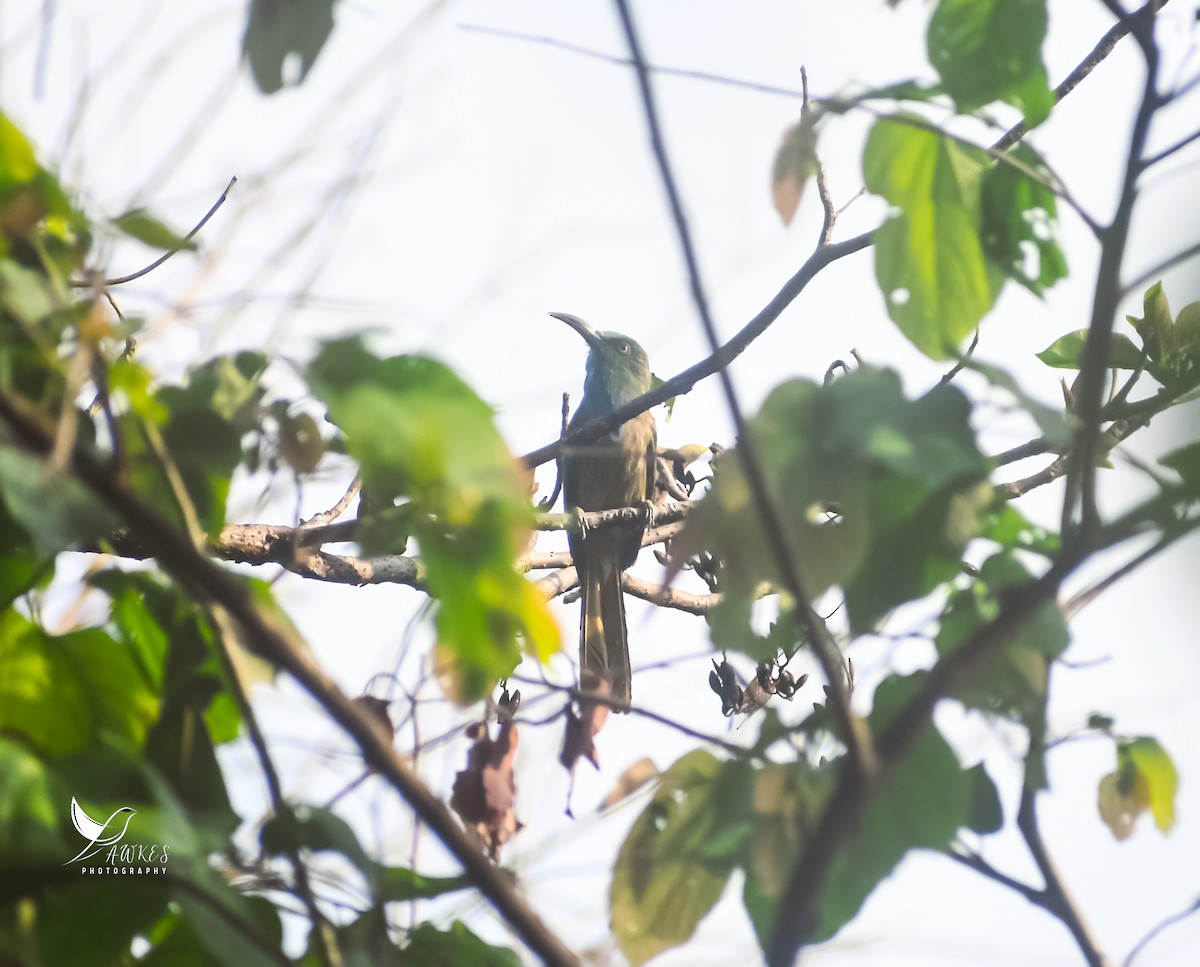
(336, 511)
(852, 730)
(595, 54)
(146, 270)
(1159, 928)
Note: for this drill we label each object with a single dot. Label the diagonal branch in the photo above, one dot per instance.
(853, 730)
(1055, 898)
(175, 553)
(685, 381)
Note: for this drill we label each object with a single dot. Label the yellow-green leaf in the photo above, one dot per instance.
(1154, 768)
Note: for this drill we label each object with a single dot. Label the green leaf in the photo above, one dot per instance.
(1019, 225)
(1009, 528)
(233, 927)
(929, 260)
(667, 876)
(988, 50)
(29, 827)
(315, 829)
(56, 510)
(421, 434)
(1185, 461)
(1053, 423)
(877, 493)
(202, 444)
(788, 800)
(400, 883)
(985, 815)
(167, 633)
(1157, 772)
(139, 224)
(22, 568)
(59, 692)
(921, 803)
(96, 920)
(1155, 325)
(1066, 351)
(279, 32)
(18, 163)
(910, 90)
(1013, 683)
(427, 946)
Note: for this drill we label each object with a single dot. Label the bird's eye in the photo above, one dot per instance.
(623, 349)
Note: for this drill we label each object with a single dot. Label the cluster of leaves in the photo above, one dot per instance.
(128, 713)
(879, 496)
(709, 818)
(1170, 344)
(963, 219)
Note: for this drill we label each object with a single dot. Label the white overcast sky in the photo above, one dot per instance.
(447, 187)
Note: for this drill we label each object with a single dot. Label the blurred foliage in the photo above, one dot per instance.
(882, 497)
(125, 717)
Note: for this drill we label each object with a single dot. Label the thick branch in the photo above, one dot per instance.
(1081, 479)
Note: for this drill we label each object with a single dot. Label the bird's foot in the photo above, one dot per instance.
(648, 507)
(580, 524)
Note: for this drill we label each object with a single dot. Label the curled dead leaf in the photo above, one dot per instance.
(485, 792)
(795, 163)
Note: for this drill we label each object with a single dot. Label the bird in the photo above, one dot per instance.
(616, 470)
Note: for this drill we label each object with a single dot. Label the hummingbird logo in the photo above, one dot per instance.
(98, 835)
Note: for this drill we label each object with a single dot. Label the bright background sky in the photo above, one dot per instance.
(446, 188)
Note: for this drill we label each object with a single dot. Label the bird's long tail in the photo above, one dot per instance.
(603, 636)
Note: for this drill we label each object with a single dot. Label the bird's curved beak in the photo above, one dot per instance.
(590, 336)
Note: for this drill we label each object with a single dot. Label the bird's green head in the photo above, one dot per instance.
(617, 366)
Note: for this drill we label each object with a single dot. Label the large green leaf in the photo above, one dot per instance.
(990, 50)
(51, 506)
(29, 811)
(679, 854)
(876, 493)
(929, 259)
(421, 435)
(200, 433)
(93, 920)
(60, 691)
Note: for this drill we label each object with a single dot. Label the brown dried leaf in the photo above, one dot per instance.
(485, 793)
(581, 730)
(795, 163)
